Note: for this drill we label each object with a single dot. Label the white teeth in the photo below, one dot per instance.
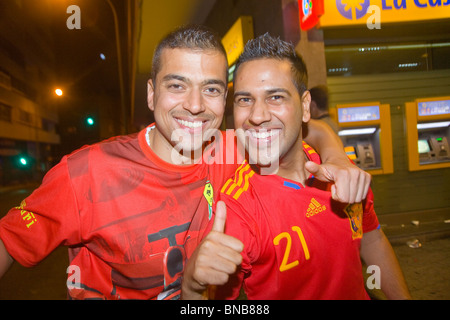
(263, 134)
(189, 124)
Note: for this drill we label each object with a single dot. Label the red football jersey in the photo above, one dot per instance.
(130, 219)
(298, 242)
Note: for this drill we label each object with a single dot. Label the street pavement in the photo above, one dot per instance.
(426, 269)
(421, 242)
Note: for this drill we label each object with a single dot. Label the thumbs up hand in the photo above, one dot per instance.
(214, 260)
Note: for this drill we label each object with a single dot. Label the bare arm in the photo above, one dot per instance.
(5, 259)
(376, 250)
(322, 138)
(351, 184)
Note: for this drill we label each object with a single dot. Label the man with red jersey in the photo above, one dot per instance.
(133, 208)
(296, 241)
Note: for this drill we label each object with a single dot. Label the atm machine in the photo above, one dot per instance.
(428, 133)
(365, 130)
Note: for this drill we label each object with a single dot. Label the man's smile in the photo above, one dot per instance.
(190, 124)
(260, 135)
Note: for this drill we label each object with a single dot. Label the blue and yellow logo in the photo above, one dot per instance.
(307, 7)
(352, 9)
(357, 12)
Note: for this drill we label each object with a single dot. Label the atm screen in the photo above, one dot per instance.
(424, 146)
(351, 152)
(432, 108)
(355, 114)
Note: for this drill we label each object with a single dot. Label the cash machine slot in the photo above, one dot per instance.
(365, 131)
(361, 152)
(428, 133)
(433, 147)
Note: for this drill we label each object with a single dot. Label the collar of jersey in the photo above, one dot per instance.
(150, 154)
(285, 183)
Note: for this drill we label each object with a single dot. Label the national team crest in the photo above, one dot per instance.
(354, 212)
(208, 193)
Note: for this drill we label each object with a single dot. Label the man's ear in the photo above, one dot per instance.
(150, 95)
(306, 104)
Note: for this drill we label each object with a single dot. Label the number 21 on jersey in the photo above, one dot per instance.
(285, 264)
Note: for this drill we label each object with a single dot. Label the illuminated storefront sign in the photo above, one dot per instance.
(236, 38)
(354, 12)
(310, 12)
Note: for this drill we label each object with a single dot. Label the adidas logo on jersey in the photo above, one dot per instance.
(315, 208)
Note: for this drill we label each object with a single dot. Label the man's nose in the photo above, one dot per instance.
(194, 102)
(260, 113)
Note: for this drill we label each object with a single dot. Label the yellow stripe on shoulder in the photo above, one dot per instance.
(308, 148)
(245, 186)
(235, 186)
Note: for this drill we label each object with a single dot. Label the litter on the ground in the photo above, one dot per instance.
(414, 243)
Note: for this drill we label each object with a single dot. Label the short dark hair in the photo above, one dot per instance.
(266, 46)
(195, 37)
(319, 94)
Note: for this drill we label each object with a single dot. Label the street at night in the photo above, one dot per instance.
(101, 100)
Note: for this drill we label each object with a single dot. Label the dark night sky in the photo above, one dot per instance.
(90, 84)
(78, 51)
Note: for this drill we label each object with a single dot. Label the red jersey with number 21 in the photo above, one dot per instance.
(298, 242)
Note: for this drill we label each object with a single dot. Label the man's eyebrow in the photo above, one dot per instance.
(242, 93)
(172, 76)
(268, 92)
(278, 90)
(214, 81)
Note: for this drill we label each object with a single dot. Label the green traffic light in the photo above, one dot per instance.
(23, 161)
(90, 121)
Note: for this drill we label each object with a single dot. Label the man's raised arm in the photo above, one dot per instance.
(351, 183)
